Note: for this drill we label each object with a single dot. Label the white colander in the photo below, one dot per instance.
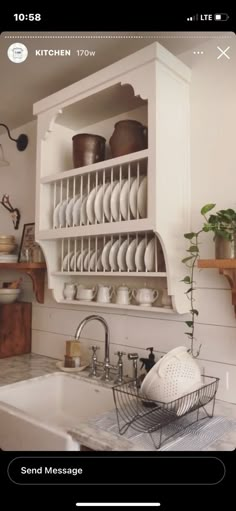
(172, 376)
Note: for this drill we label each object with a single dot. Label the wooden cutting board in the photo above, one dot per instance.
(15, 328)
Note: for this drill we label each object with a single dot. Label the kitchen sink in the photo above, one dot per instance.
(36, 414)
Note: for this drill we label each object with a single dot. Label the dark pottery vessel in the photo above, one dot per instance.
(128, 137)
(88, 149)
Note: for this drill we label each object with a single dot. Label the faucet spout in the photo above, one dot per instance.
(79, 329)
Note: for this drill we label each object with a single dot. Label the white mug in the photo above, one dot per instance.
(69, 291)
(86, 293)
(123, 295)
(104, 294)
(145, 296)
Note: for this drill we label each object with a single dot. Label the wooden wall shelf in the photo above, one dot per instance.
(226, 267)
(36, 271)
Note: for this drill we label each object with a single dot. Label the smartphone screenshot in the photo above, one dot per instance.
(117, 260)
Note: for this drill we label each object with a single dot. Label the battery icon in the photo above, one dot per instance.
(221, 17)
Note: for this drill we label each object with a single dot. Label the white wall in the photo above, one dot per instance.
(213, 110)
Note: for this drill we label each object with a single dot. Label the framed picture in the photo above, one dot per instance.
(27, 243)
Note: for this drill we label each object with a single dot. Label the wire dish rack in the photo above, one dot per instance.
(148, 416)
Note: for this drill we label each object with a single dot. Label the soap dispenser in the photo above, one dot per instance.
(149, 362)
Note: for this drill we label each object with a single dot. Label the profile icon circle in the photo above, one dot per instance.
(17, 53)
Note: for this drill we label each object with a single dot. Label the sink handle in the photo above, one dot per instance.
(119, 378)
(94, 360)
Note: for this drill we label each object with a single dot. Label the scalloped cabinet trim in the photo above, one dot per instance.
(151, 86)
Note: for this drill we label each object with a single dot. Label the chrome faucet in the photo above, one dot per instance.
(79, 329)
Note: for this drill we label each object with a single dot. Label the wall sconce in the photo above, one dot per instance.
(21, 141)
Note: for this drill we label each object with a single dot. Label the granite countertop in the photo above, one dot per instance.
(25, 367)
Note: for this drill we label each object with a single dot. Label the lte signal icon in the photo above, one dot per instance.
(193, 18)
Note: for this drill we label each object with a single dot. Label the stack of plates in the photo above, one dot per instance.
(8, 258)
(7, 244)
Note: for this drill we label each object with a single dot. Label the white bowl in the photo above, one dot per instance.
(9, 295)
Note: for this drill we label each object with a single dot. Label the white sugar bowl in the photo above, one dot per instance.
(123, 295)
(145, 296)
(86, 293)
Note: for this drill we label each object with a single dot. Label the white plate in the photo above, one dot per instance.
(69, 211)
(77, 211)
(73, 262)
(130, 255)
(105, 256)
(92, 262)
(61, 366)
(133, 196)
(149, 256)
(87, 260)
(113, 256)
(139, 256)
(99, 263)
(8, 257)
(115, 200)
(90, 205)
(56, 223)
(81, 257)
(98, 203)
(121, 255)
(107, 200)
(124, 198)
(66, 261)
(142, 198)
(83, 213)
(62, 213)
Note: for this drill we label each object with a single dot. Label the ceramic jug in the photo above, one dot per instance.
(123, 295)
(69, 291)
(88, 149)
(128, 137)
(104, 294)
(145, 296)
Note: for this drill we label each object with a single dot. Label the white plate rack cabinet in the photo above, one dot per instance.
(77, 213)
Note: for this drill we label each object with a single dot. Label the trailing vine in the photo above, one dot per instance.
(191, 262)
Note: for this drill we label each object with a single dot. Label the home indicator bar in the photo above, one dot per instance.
(118, 504)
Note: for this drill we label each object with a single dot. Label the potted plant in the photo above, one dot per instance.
(223, 225)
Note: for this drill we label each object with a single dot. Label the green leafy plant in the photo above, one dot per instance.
(223, 224)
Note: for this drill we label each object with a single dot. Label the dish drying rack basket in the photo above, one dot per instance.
(148, 416)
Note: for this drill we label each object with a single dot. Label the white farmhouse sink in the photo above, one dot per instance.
(36, 414)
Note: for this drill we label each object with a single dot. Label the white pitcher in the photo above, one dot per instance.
(123, 295)
(69, 291)
(105, 294)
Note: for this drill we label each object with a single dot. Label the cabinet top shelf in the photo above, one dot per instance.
(102, 165)
(217, 263)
